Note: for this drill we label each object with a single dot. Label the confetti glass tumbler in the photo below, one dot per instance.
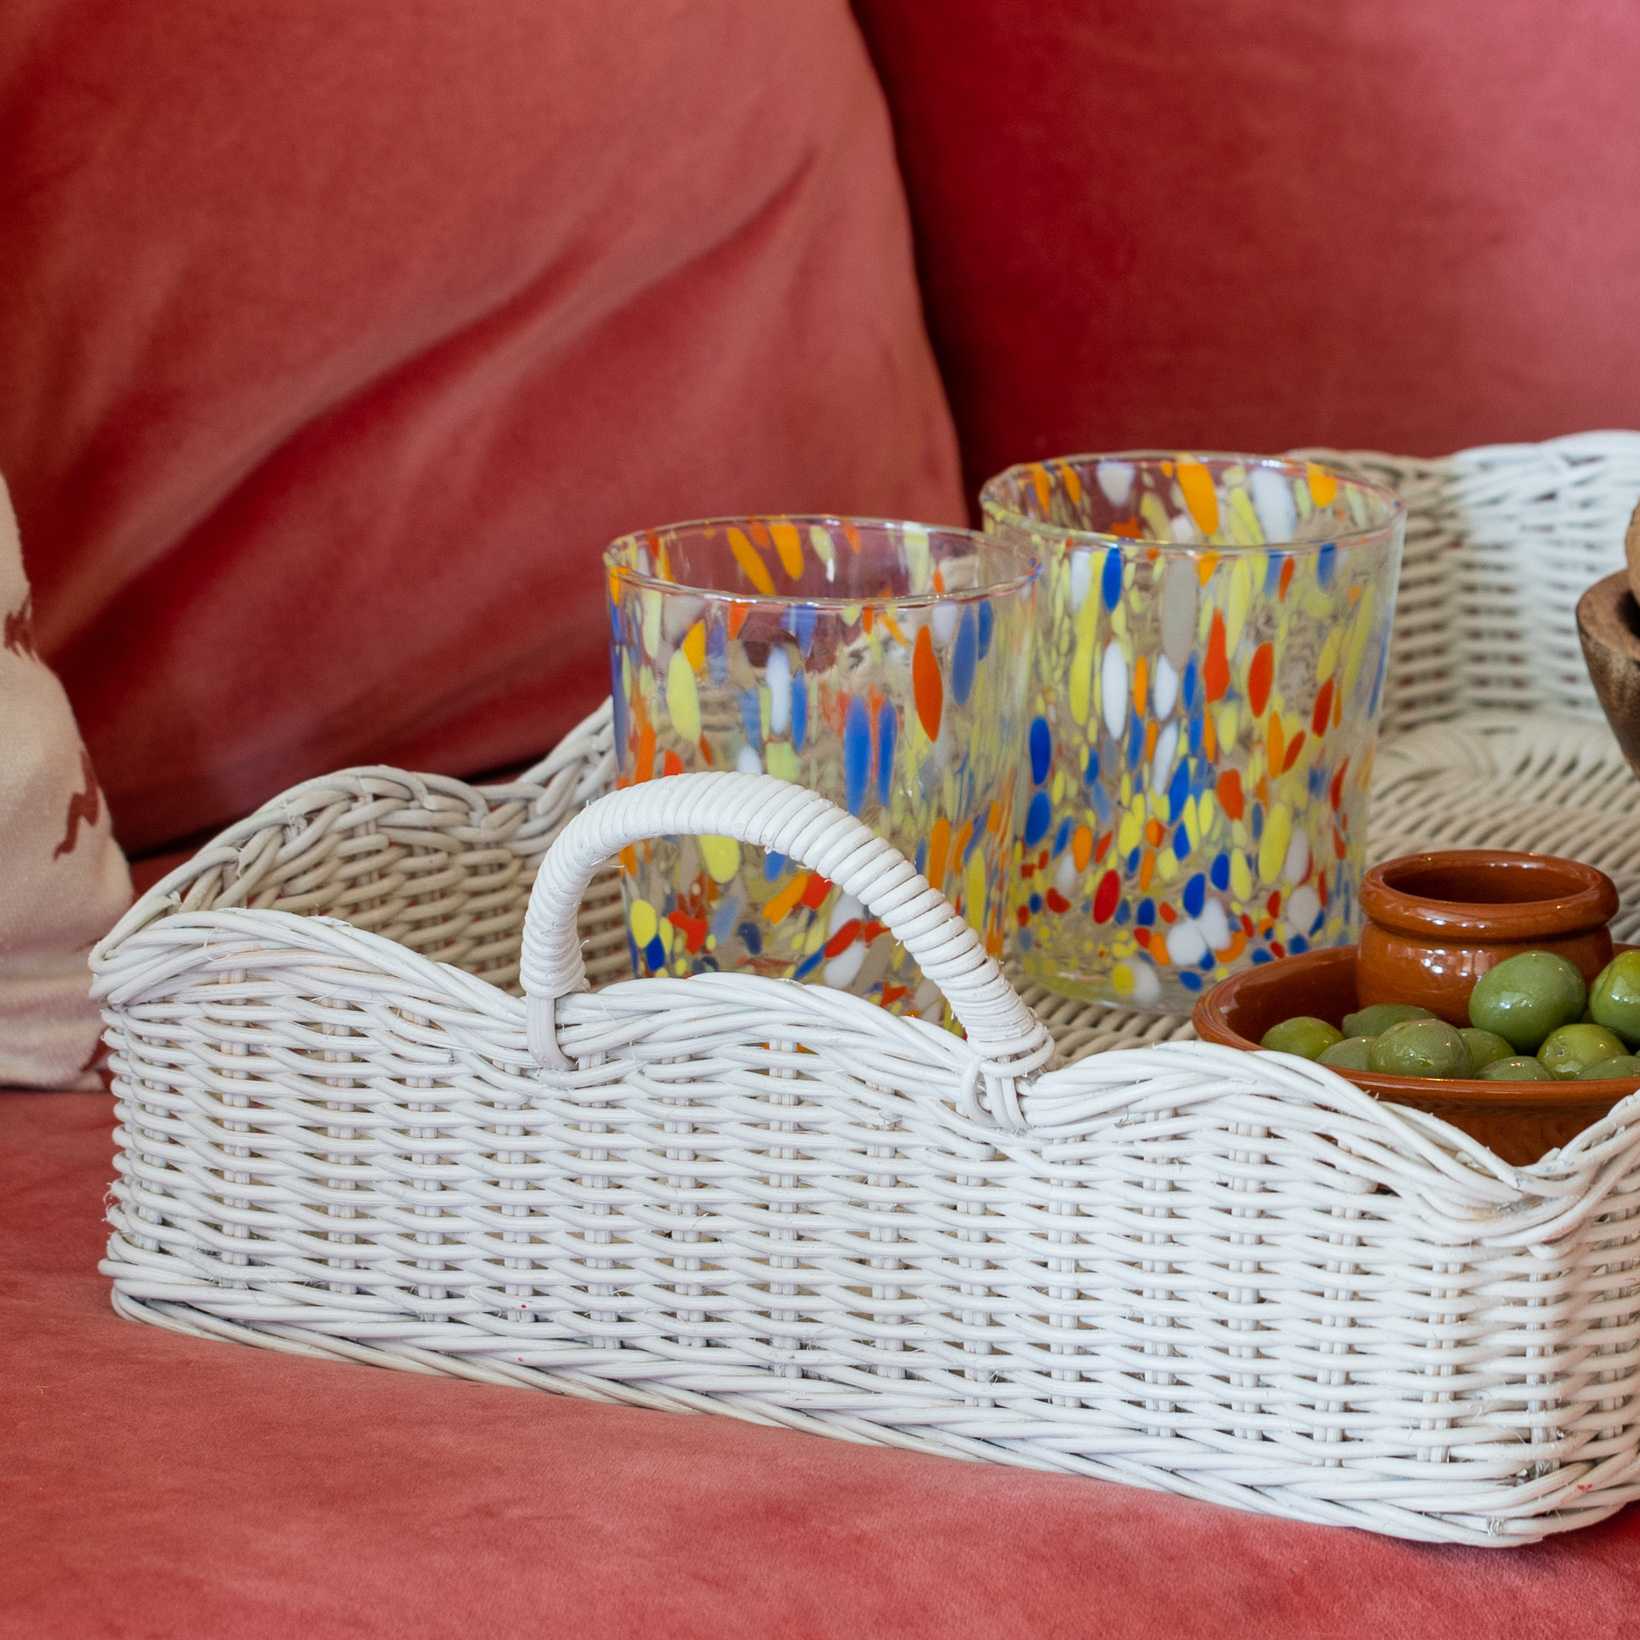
(1210, 662)
(885, 665)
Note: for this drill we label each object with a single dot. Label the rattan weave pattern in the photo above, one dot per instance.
(345, 1131)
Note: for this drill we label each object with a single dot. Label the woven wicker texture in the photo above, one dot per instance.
(345, 1131)
(1500, 543)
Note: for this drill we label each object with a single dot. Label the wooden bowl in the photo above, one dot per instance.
(1608, 623)
(1518, 1120)
(1436, 922)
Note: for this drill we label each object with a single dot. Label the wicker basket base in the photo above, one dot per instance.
(910, 1423)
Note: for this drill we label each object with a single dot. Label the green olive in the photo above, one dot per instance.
(1484, 1047)
(1353, 1053)
(1304, 1035)
(1522, 1068)
(1379, 1016)
(1622, 1067)
(1567, 1051)
(1526, 997)
(1420, 1047)
(1614, 999)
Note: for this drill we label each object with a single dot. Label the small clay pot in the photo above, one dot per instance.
(1436, 922)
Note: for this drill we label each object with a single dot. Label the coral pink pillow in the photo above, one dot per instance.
(339, 339)
(1375, 224)
(62, 877)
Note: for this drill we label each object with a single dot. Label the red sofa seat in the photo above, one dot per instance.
(159, 1484)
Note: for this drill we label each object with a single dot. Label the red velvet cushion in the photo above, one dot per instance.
(1381, 223)
(156, 1484)
(338, 339)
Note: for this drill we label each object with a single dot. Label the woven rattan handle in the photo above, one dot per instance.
(1007, 1038)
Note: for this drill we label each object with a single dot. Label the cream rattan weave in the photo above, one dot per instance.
(348, 1128)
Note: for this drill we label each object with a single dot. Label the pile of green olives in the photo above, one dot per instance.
(1531, 1019)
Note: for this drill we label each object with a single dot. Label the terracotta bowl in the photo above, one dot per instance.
(1436, 922)
(1608, 622)
(1518, 1120)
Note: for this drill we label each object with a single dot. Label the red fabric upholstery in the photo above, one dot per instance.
(339, 339)
(469, 289)
(162, 1485)
(1381, 223)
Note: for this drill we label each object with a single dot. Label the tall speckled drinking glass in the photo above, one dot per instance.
(886, 665)
(1210, 662)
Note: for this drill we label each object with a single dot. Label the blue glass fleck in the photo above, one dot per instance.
(1190, 981)
(1123, 912)
(1041, 750)
(1326, 562)
(1195, 895)
(1219, 871)
(1035, 903)
(1181, 842)
(856, 754)
(774, 867)
(802, 622)
(1298, 945)
(888, 728)
(1146, 914)
(1187, 686)
(986, 621)
(1110, 586)
(1061, 837)
(751, 717)
(800, 711)
(1261, 956)
(717, 652)
(964, 655)
(808, 965)
(655, 953)
(751, 937)
(1038, 817)
(1178, 792)
(1378, 682)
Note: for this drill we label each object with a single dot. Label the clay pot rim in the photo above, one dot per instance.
(1574, 897)
(1210, 1018)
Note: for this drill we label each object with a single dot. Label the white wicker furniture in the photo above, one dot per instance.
(346, 1129)
(1501, 541)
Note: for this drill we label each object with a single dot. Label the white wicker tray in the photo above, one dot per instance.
(344, 1131)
